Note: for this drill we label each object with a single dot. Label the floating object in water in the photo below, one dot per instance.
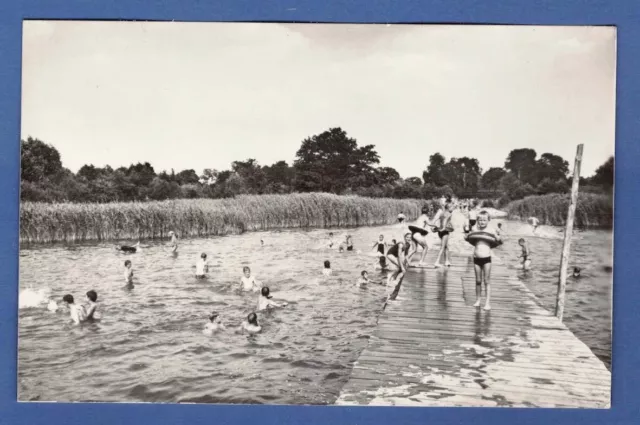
(478, 236)
(52, 306)
(607, 269)
(417, 229)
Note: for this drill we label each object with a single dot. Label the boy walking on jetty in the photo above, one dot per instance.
(482, 260)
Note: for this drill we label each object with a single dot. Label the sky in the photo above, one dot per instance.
(201, 95)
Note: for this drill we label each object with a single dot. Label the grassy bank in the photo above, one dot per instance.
(592, 210)
(43, 223)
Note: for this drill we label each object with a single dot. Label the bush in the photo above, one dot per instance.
(592, 210)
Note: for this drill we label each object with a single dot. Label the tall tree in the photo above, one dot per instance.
(38, 160)
(551, 167)
(605, 174)
(330, 161)
(522, 163)
(434, 172)
(491, 178)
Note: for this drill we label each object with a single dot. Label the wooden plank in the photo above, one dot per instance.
(431, 346)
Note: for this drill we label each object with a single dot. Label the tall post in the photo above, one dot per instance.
(568, 232)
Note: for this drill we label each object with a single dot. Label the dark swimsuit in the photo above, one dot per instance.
(400, 219)
(443, 233)
(125, 248)
(481, 261)
(349, 247)
(381, 248)
(394, 250)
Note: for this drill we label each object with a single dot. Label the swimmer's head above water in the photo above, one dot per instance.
(68, 299)
(576, 271)
(364, 274)
(383, 262)
(203, 256)
(92, 296)
(247, 271)
(127, 263)
(521, 241)
(214, 317)
(265, 292)
(327, 264)
(252, 319)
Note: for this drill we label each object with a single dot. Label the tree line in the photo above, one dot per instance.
(327, 162)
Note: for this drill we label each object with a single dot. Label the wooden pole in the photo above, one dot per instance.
(568, 232)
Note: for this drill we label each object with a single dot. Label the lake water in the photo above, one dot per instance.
(149, 345)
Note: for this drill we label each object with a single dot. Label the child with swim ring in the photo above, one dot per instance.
(483, 241)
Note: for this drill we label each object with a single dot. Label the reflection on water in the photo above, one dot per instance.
(149, 345)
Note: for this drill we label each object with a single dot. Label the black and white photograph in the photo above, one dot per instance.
(316, 214)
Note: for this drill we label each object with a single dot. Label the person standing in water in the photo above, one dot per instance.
(381, 246)
(92, 298)
(265, 302)
(214, 325)
(251, 324)
(401, 217)
(202, 266)
(526, 254)
(534, 222)
(77, 312)
(128, 274)
(248, 282)
(327, 268)
(173, 244)
(330, 243)
(482, 261)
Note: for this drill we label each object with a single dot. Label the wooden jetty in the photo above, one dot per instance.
(433, 348)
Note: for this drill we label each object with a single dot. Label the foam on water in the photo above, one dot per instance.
(31, 298)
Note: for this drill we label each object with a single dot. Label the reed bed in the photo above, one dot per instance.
(47, 223)
(592, 210)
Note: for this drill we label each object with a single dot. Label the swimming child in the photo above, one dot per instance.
(265, 302)
(92, 298)
(173, 244)
(382, 264)
(364, 279)
(400, 255)
(442, 221)
(248, 282)
(401, 217)
(349, 243)
(327, 268)
(482, 261)
(330, 243)
(526, 254)
(128, 273)
(251, 324)
(576, 272)
(214, 325)
(78, 314)
(129, 249)
(534, 223)
(202, 266)
(381, 245)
